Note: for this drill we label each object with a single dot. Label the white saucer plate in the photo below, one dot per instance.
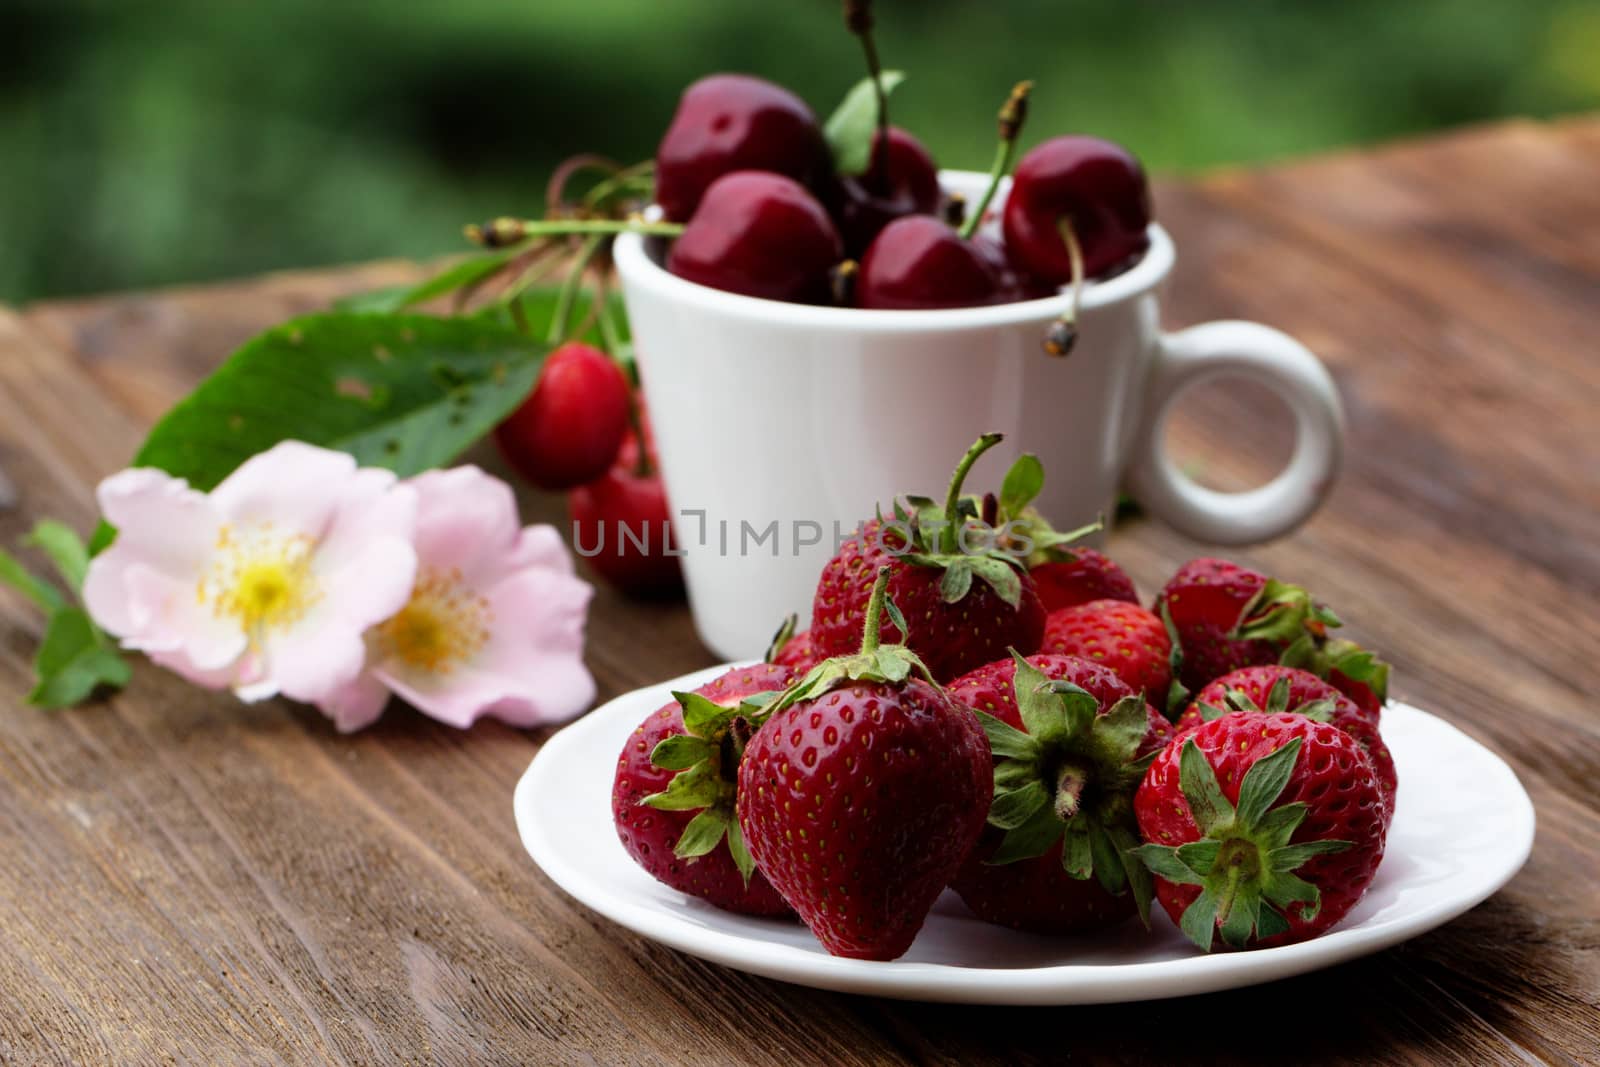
(1463, 827)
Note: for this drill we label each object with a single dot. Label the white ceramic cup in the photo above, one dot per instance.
(780, 427)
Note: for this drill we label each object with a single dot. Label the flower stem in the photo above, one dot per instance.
(1012, 114)
(948, 537)
(874, 619)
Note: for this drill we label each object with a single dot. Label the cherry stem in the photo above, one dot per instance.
(1063, 333)
(561, 320)
(1012, 115)
(949, 536)
(858, 18)
(507, 231)
(637, 176)
(874, 619)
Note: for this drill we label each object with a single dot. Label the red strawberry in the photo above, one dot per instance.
(654, 806)
(1076, 574)
(793, 650)
(965, 608)
(1123, 636)
(1072, 742)
(862, 794)
(1263, 829)
(1274, 689)
(1227, 616)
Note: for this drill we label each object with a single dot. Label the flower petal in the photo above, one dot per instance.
(356, 705)
(466, 521)
(293, 486)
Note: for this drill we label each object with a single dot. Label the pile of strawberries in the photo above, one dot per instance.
(981, 704)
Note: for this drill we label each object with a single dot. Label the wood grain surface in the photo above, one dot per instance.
(189, 880)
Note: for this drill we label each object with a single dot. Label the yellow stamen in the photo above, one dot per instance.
(442, 626)
(261, 578)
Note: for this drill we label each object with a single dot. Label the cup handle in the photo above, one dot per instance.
(1285, 366)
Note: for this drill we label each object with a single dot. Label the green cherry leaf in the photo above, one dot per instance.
(681, 751)
(1022, 483)
(74, 659)
(702, 834)
(849, 130)
(1264, 783)
(403, 392)
(1198, 782)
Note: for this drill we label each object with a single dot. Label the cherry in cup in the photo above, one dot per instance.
(1078, 188)
(759, 234)
(733, 122)
(901, 180)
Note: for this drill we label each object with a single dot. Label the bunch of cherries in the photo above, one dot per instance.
(755, 203)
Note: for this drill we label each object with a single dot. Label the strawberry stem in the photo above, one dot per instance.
(949, 539)
(1012, 114)
(874, 619)
(1070, 781)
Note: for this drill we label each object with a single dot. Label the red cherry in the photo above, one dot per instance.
(729, 122)
(569, 430)
(1097, 186)
(920, 262)
(762, 235)
(903, 180)
(622, 525)
(1012, 282)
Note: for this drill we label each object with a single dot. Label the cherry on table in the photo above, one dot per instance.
(759, 234)
(621, 524)
(1096, 187)
(571, 427)
(732, 122)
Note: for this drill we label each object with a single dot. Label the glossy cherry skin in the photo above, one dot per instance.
(622, 527)
(1012, 282)
(762, 235)
(902, 180)
(570, 428)
(729, 122)
(1097, 185)
(920, 262)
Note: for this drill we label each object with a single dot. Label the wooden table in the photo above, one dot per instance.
(188, 879)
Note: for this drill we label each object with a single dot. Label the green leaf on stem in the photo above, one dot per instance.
(74, 660)
(849, 130)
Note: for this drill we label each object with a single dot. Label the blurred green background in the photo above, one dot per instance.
(147, 143)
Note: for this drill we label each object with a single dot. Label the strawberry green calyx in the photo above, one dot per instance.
(1070, 778)
(875, 662)
(1277, 701)
(1243, 861)
(937, 538)
(706, 757)
(1177, 693)
(1023, 530)
(782, 637)
(1287, 616)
